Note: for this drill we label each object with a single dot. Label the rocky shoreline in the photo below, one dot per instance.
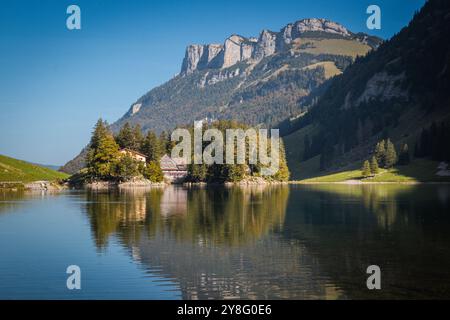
(107, 185)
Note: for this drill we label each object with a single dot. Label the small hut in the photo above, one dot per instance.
(174, 169)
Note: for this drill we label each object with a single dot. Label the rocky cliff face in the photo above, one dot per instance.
(237, 48)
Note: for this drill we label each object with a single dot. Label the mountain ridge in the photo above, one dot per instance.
(237, 48)
(395, 92)
(253, 80)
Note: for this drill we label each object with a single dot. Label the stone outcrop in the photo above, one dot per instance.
(237, 48)
(265, 45)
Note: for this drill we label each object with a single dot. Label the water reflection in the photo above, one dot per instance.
(289, 242)
(217, 243)
(231, 216)
(403, 229)
(258, 243)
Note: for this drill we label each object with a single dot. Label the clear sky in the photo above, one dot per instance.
(55, 83)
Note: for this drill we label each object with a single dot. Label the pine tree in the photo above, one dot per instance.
(380, 153)
(166, 143)
(391, 155)
(125, 137)
(417, 148)
(374, 169)
(360, 132)
(283, 171)
(153, 172)
(197, 172)
(137, 138)
(307, 148)
(126, 168)
(403, 158)
(99, 132)
(366, 169)
(102, 157)
(235, 172)
(151, 147)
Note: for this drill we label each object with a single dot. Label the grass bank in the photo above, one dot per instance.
(18, 171)
(418, 171)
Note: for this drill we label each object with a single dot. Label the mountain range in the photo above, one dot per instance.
(259, 81)
(329, 90)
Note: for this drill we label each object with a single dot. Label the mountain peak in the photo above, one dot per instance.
(321, 25)
(237, 48)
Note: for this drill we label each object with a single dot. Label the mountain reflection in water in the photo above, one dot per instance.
(281, 242)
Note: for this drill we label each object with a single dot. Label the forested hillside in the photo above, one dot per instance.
(400, 91)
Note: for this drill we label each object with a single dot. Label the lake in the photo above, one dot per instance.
(267, 242)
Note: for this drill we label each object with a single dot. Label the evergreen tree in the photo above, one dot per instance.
(374, 169)
(137, 138)
(125, 137)
(391, 155)
(102, 157)
(153, 172)
(151, 147)
(434, 140)
(360, 132)
(235, 172)
(283, 171)
(417, 149)
(197, 172)
(126, 168)
(307, 148)
(327, 157)
(99, 132)
(166, 143)
(366, 169)
(403, 158)
(380, 153)
(425, 145)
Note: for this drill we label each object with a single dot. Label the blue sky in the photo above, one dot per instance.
(55, 83)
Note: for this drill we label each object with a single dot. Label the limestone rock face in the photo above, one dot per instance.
(192, 57)
(211, 53)
(232, 50)
(238, 48)
(266, 45)
(199, 57)
(247, 48)
(319, 25)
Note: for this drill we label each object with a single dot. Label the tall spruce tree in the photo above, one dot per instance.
(283, 171)
(404, 158)
(151, 147)
(103, 154)
(137, 138)
(365, 169)
(99, 132)
(125, 137)
(390, 156)
(307, 148)
(380, 153)
(374, 169)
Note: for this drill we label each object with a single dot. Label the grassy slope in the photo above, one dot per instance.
(408, 129)
(332, 46)
(420, 170)
(329, 67)
(18, 170)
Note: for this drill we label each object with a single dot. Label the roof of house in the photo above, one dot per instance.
(133, 152)
(171, 164)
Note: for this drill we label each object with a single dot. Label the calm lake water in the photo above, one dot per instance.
(285, 242)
